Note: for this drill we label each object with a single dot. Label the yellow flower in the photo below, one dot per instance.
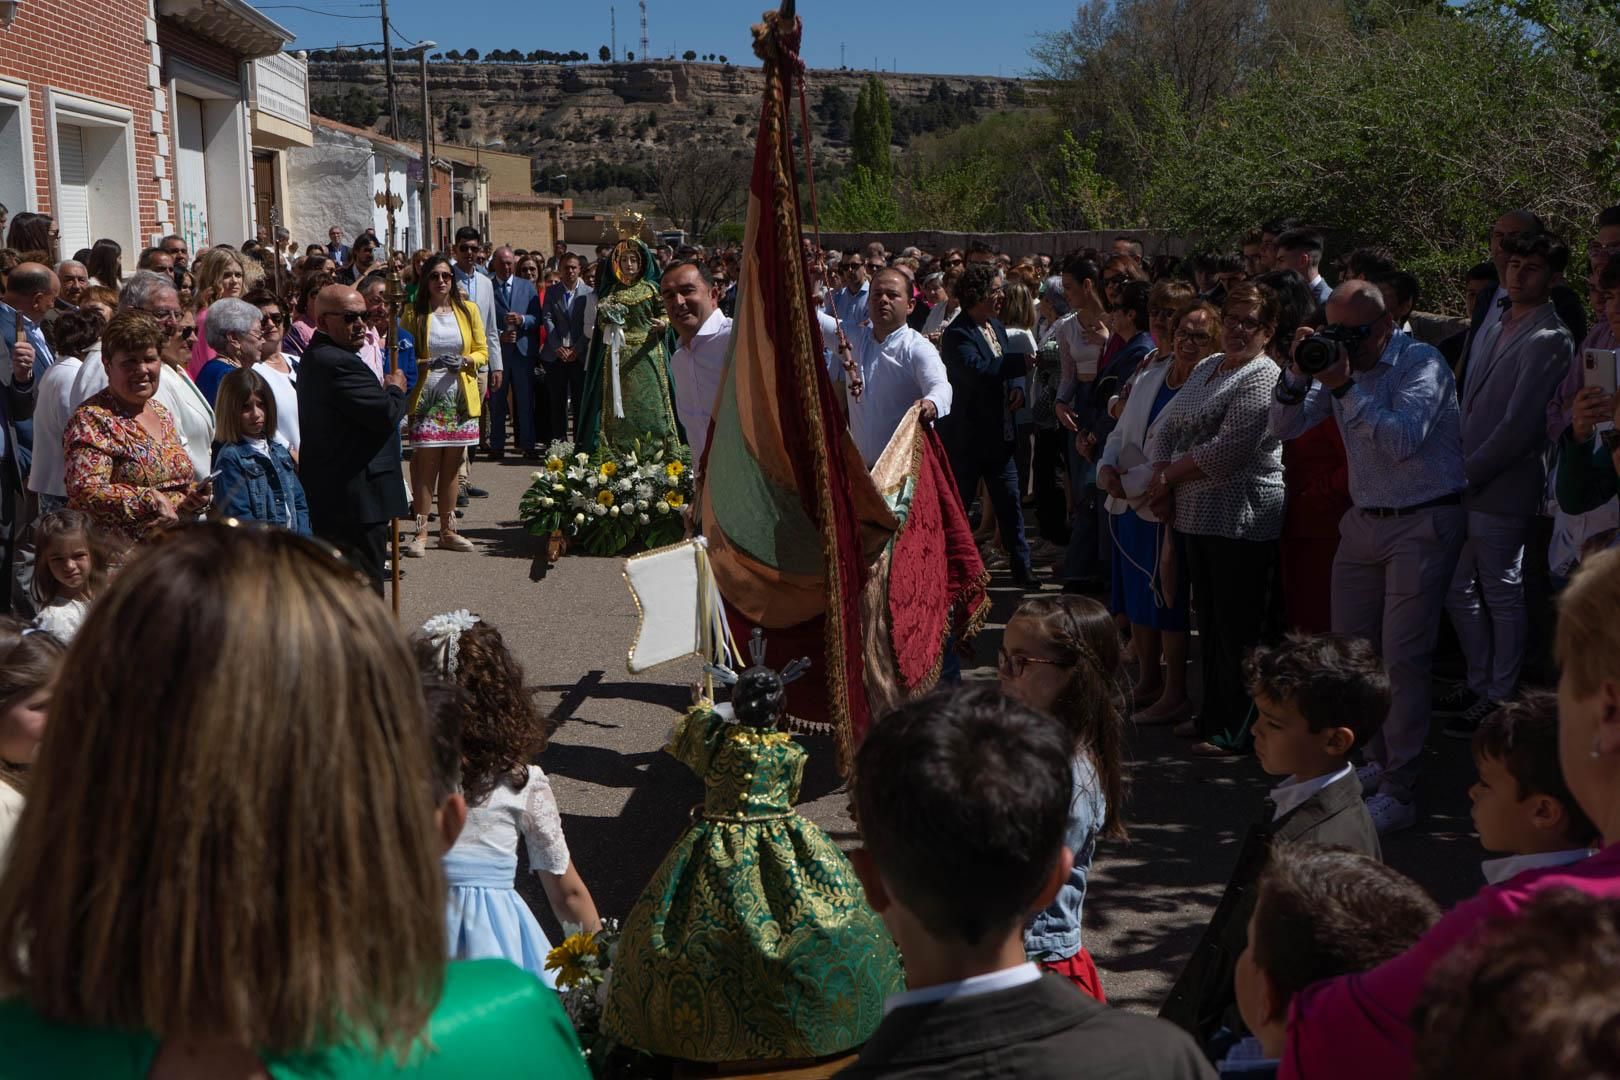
(674, 469)
(609, 468)
(554, 464)
(675, 498)
(604, 497)
(570, 960)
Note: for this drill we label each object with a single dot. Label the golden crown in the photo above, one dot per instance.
(629, 224)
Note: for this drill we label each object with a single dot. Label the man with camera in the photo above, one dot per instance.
(1396, 406)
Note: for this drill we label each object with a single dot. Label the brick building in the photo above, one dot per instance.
(128, 118)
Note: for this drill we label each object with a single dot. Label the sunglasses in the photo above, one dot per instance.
(347, 316)
(272, 318)
(953, 262)
(1116, 279)
(441, 277)
(1241, 324)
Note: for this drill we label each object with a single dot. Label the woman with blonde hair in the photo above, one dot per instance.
(219, 273)
(279, 903)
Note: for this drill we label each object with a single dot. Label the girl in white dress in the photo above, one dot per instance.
(69, 569)
(28, 662)
(507, 799)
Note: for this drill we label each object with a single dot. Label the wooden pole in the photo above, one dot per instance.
(395, 296)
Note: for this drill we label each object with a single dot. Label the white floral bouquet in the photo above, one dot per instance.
(613, 501)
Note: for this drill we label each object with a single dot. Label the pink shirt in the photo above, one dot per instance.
(1358, 1026)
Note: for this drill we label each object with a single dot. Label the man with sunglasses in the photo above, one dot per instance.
(1396, 406)
(350, 460)
(849, 302)
(475, 283)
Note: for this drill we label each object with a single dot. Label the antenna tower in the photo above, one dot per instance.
(613, 32)
(646, 46)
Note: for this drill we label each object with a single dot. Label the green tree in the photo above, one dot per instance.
(604, 54)
(689, 55)
(872, 130)
(836, 112)
(864, 201)
(470, 54)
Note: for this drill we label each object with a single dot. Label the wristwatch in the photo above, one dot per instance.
(1342, 389)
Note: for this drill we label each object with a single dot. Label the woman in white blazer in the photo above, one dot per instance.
(1155, 603)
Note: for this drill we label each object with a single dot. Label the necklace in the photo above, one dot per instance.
(1174, 383)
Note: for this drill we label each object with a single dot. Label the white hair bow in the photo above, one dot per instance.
(445, 632)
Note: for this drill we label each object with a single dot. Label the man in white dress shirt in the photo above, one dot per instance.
(899, 368)
(692, 303)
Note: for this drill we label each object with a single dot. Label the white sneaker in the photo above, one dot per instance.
(1369, 775)
(1390, 815)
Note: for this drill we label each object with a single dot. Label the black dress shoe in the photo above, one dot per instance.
(462, 500)
(475, 492)
(497, 455)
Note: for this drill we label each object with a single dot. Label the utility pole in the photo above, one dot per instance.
(613, 32)
(421, 49)
(388, 71)
(646, 47)
(840, 54)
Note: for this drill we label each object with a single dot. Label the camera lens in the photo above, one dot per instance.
(1315, 354)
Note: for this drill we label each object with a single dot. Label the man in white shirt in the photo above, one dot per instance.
(692, 303)
(899, 368)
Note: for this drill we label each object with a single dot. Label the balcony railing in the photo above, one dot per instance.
(281, 87)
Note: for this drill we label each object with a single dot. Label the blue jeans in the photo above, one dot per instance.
(519, 378)
(992, 462)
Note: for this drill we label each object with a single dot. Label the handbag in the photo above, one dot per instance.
(1045, 379)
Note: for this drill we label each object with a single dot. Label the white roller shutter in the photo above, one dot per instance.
(191, 171)
(73, 213)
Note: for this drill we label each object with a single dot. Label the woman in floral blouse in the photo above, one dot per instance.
(126, 467)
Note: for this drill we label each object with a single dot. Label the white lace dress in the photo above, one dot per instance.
(486, 916)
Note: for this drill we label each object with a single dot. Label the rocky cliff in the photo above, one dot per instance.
(566, 116)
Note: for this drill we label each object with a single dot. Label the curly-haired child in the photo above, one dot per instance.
(507, 798)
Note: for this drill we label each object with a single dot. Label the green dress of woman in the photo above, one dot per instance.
(753, 941)
(628, 395)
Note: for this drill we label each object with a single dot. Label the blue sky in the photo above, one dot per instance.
(964, 37)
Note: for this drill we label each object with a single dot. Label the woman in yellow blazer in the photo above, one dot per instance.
(443, 410)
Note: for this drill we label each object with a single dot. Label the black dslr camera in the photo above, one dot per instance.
(1320, 351)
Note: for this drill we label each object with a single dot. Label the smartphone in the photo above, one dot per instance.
(1598, 369)
(209, 482)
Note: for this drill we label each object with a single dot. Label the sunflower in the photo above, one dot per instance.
(674, 469)
(675, 498)
(572, 960)
(609, 468)
(604, 497)
(554, 464)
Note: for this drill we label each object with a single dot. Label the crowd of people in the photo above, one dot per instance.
(1223, 449)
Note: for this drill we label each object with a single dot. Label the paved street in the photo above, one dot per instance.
(624, 802)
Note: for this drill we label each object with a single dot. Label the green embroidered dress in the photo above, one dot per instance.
(626, 314)
(753, 941)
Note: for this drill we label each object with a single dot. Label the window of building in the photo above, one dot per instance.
(16, 148)
(92, 155)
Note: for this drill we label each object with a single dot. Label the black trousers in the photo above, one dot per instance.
(1051, 513)
(364, 545)
(564, 383)
(1230, 580)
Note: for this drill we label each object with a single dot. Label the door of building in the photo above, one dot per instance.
(191, 172)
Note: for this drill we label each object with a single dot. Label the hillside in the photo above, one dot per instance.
(623, 115)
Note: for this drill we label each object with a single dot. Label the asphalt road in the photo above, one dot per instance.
(624, 801)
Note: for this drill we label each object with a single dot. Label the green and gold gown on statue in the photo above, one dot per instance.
(753, 941)
(626, 313)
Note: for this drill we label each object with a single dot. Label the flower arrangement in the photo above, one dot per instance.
(584, 963)
(613, 501)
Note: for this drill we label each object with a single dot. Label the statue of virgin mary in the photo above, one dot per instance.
(628, 396)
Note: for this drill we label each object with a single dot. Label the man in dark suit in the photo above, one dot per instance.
(349, 460)
(517, 315)
(986, 390)
(566, 343)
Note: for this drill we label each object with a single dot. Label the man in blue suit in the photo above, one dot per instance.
(567, 343)
(517, 316)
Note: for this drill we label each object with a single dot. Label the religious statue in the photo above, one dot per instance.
(753, 941)
(627, 394)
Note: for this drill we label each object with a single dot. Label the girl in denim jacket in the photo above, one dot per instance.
(255, 478)
(1061, 654)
